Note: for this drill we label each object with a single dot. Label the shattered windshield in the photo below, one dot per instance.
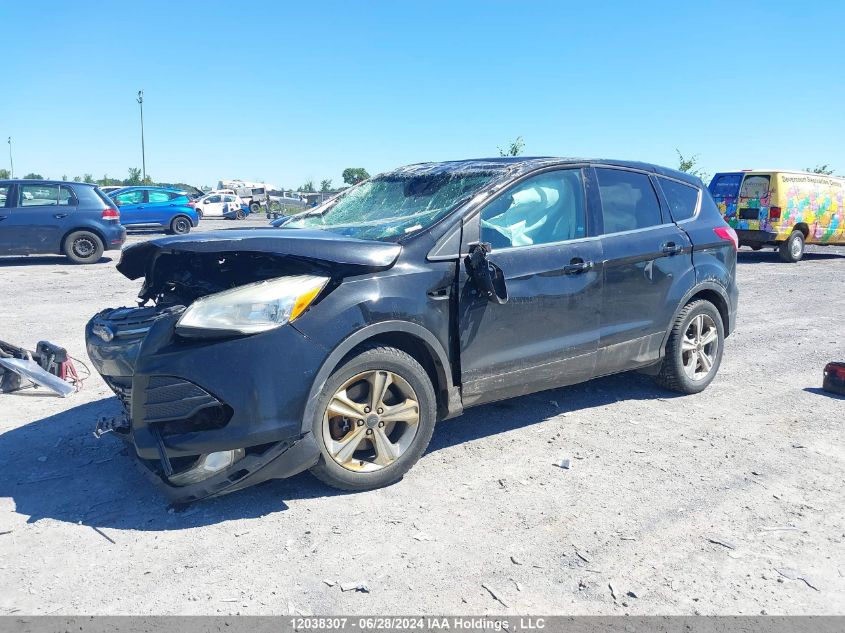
(391, 206)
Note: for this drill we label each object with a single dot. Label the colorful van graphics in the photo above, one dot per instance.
(767, 207)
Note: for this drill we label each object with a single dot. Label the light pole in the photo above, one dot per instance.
(11, 162)
(143, 153)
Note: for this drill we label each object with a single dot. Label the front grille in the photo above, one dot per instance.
(132, 323)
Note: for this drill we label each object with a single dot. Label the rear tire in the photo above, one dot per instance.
(83, 247)
(254, 207)
(379, 451)
(792, 250)
(240, 215)
(180, 225)
(694, 349)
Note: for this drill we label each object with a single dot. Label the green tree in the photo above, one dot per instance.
(105, 180)
(354, 175)
(134, 176)
(308, 185)
(689, 164)
(326, 185)
(88, 178)
(514, 149)
(77, 179)
(33, 176)
(4, 174)
(821, 169)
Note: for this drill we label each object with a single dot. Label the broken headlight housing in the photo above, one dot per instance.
(252, 308)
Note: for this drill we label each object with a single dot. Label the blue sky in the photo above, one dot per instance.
(288, 91)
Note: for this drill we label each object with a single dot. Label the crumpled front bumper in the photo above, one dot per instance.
(187, 398)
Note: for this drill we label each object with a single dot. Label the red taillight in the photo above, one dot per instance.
(774, 213)
(192, 204)
(727, 233)
(111, 214)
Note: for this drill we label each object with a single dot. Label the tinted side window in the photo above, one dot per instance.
(682, 199)
(543, 209)
(4, 195)
(130, 197)
(66, 196)
(39, 195)
(158, 196)
(628, 200)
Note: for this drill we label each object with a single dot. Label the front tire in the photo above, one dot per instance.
(374, 419)
(254, 207)
(792, 250)
(694, 350)
(83, 247)
(240, 215)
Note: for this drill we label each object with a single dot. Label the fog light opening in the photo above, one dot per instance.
(206, 466)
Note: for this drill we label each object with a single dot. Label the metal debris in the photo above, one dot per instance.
(793, 574)
(355, 586)
(515, 560)
(104, 535)
(720, 541)
(564, 463)
(495, 597)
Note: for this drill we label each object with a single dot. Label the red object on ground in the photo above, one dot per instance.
(834, 378)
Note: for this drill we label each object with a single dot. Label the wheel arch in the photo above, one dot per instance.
(182, 215)
(89, 229)
(803, 227)
(411, 338)
(711, 292)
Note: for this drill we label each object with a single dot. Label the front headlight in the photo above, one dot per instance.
(252, 308)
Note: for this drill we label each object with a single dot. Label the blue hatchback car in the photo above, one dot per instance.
(41, 217)
(156, 208)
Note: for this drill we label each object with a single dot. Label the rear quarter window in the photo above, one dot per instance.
(682, 199)
(628, 200)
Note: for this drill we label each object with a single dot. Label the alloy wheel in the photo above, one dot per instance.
(371, 420)
(699, 347)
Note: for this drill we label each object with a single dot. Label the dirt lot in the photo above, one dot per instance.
(727, 502)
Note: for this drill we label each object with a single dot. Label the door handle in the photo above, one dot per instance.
(59, 216)
(576, 266)
(670, 248)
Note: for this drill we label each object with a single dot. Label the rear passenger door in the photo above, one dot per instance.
(647, 268)
(132, 207)
(160, 207)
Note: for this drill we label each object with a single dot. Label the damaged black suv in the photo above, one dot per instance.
(336, 339)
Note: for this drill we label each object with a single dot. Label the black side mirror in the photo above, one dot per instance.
(487, 277)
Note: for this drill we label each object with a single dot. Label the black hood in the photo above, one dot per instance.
(310, 244)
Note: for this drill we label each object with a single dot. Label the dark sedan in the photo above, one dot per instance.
(336, 340)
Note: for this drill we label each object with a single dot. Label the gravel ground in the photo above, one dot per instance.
(726, 502)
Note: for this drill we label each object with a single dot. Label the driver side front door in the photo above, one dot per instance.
(546, 334)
